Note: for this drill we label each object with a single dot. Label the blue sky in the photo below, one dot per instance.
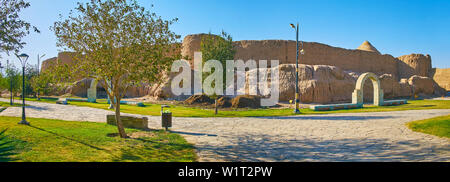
(396, 27)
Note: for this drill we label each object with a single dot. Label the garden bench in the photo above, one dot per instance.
(133, 103)
(61, 101)
(129, 121)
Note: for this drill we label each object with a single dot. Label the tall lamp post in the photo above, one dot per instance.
(297, 98)
(10, 82)
(1, 67)
(39, 74)
(23, 59)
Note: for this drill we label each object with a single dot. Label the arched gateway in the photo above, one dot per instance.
(358, 96)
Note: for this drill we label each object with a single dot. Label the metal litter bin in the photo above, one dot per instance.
(166, 118)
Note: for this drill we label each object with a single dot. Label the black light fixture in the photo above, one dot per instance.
(292, 25)
(23, 60)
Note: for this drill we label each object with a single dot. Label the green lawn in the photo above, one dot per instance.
(59, 141)
(439, 126)
(183, 111)
(6, 104)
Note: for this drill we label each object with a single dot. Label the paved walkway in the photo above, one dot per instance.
(379, 136)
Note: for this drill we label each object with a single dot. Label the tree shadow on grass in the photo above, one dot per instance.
(419, 106)
(71, 139)
(158, 150)
(266, 148)
(77, 141)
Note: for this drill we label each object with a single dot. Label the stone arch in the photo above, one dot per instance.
(358, 96)
(92, 91)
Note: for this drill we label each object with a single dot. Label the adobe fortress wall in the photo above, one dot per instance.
(442, 77)
(321, 54)
(327, 73)
(315, 54)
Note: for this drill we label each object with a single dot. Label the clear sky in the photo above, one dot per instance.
(396, 27)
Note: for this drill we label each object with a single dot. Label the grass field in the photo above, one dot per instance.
(60, 141)
(183, 111)
(439, 126)
(6, 104)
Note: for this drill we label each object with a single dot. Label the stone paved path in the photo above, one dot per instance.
(379, 136)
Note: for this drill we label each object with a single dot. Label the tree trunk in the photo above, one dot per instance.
(119, 122)
(216, 111)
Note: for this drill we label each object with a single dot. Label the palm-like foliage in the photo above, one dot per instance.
(5, 148)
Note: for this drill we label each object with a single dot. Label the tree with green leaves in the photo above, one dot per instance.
(30, 73)
(218, 48)
(116, 41)
(11, 81)
(12, 28)
(40, 83)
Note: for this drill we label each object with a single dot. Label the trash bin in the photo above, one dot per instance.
(166, 117)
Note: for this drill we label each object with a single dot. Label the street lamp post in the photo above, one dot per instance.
(1, 67)
(10, 82)
(23, 59)
(39, 74)
(297, 98)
